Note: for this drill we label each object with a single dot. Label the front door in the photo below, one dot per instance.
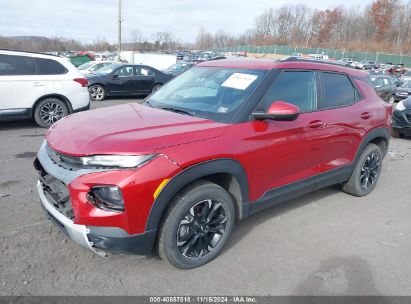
(121, 81)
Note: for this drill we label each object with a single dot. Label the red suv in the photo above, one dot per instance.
(223, 140)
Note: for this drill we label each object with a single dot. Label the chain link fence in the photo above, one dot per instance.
(337, 54)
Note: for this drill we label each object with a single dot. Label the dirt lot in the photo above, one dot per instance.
(325, 243)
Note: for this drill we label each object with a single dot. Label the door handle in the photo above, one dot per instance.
(366, 115)
(39, 84)
(316, 124)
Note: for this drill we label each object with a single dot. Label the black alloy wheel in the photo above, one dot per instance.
(369, 171)
(201, 228)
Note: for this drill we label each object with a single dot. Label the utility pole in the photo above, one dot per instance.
(119, 20)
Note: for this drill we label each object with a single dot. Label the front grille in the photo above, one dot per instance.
(55, 191)
(67, 162)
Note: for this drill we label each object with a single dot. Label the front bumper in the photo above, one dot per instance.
(78, 233)
(56, 181)
(98, 239)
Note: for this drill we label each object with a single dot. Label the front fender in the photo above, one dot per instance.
(191, 174)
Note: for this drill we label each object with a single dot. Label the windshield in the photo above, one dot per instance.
(208, 92)
(86, 65)
(107, 69)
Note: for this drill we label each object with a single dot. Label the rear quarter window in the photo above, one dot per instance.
(337, 90)
(49, 67)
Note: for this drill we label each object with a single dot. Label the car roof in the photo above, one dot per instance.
(265, 64)
(26, 53)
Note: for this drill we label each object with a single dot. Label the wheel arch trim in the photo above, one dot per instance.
(382, 132)
(52, 95)
(191, 174)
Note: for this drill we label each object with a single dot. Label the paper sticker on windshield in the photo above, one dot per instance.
(239, 81)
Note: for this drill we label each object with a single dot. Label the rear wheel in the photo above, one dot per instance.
(196, 226)
(366, 172)
(48, 111)
(97, 92)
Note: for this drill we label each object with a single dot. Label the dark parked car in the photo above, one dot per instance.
(401, 119)
(125, 79)
(385, 87)
(179, 68)
(403, 91)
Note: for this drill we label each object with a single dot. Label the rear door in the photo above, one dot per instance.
(343, 119)
(145, 78)
(20, 86)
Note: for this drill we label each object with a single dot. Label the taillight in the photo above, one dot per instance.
(82, 81)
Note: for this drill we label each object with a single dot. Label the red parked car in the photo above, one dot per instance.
(216, 144)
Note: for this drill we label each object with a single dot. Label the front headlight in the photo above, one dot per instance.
(400, 106)
(121, 161)
(106, 198)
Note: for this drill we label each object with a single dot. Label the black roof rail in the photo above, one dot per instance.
(28, 52)
(313, 60)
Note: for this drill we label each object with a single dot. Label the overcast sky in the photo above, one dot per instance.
(89, 20)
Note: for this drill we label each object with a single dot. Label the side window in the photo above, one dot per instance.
(144, 71)
(49, 67)
(337, 90)
(125, 71)
(298, 88)
(97, 66)
(16, 65)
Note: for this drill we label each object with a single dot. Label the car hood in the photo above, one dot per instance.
(128, 129)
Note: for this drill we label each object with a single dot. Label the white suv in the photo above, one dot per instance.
(43, 87)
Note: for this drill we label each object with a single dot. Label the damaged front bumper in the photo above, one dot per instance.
(52, 188)
(78, 233)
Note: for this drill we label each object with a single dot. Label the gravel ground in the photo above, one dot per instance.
(326, 243)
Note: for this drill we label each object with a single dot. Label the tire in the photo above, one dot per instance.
(186, 238)
(97, 92)
(156, 88)
(366, 172)
(48, 111)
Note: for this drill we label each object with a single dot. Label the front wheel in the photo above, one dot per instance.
(97, 92)
(366, 172)
(196, 226)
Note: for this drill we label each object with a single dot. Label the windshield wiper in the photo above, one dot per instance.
(177, 110)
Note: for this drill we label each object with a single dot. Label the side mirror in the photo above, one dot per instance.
(115, 76)
(279, 110)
